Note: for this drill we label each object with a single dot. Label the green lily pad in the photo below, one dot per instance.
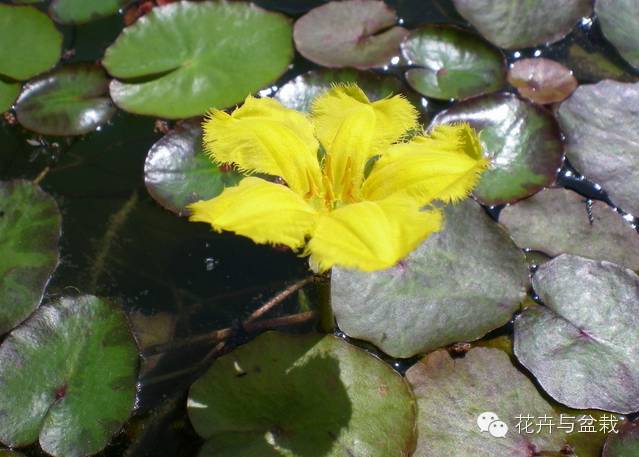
(605, 147)
(452, 63)
(456, 396)
(302, 396)
(68, 375)
(556, 221)
(300, 92)
(457, 286)
(7, 453)
(618, 20)
(625, 443)
(184, 58)
(542, 80)
(522, 23)
(521, 139)
(8, 93)
(583, 346)
(29, 233)
(350, 33)
(73, 100)
(591, 65)
(177, 172)
(29, 42)
(81, 11)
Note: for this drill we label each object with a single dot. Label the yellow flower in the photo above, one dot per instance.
(329, 204)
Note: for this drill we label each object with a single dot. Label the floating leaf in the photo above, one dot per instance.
(542, 80)
(453, 394)
(583, 346)
(73, 100)
(591, 65)
(521, 23)
(68, 375)
(521, 139)
(557, 221)
(458, 285)
(605, 147)
(350, 33)
(29, 42)
(452, 63)
(177, 172)
(7, 453)
(81, 11)
(8, 94)
(302, 395)
(625, 443)
(184, 58)
(29, 234)
(618, 20)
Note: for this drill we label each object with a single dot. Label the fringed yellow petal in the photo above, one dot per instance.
(370, 236)
(263, 136)
(445, 166)
(261, 210)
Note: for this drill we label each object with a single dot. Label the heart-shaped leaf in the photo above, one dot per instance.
(177, 172)
(618, 20)
(73, 100)
(29, 233)
(458, 285)
(605, 147)
(583, 346)
(81, 11)
(9, 91)
(350, 33)
(520, 23)
(302, 396)
(452, 63)
(29, 42)
(184, 58)
(625, 443)
(542, 80)
(465, 405)
(68, 375)
(559, 221)
(521, 139)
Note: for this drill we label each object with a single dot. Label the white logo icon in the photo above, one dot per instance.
(489, 422)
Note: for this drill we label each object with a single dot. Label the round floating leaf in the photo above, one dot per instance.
(7, 453)
(452, 63)
(177, 172)
(29, 42)
(302, 395)
(521, 23)
(542, 80)
(299, 93)
(557, 221)
(71, 101)
(8, 94)
(29, 233)
(184, 58)
(81, 11)
(625, 443)
(521, 139)
(351, 33)
(453, 394)
(68, 375)
(618, 20)
(605, 147)
(583, 346)
(592, 65)
(458, 285)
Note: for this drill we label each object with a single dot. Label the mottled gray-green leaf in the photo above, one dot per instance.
(81, 11)
(302, 396)
(625, 443)
(619, 24)
(452, 394)
(68, 377)
(583, 346)
(452, 63)
(516, 24)
(29, 233)
(556, 221)
(605, 147)
(458, 285)
(351, 33)
(177, 172)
